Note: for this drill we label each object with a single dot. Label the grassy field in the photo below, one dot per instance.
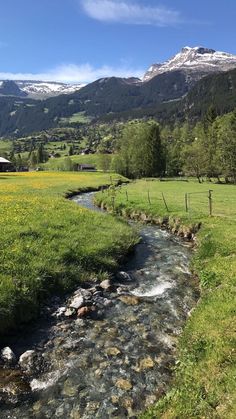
(58, 163)
(78, 117)
(205, 373)
(48, 244)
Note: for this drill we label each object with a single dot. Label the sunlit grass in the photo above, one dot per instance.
(48, 243)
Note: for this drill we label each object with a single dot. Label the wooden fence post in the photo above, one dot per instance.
(113, 203)
(210, 201)
(186, 202)
(167, 209)
(127, 196)
(149, 198)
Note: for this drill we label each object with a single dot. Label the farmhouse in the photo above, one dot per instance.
(86, 167)
(4, 164)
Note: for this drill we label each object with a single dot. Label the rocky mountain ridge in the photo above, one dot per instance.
(36, 89)
(195, 62)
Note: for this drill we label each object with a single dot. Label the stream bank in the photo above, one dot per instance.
(118, 362)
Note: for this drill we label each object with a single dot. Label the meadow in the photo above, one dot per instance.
(204, 375)
(94, 159)
(49, 244)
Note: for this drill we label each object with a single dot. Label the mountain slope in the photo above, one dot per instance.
(10, 88)
(195, 63)
(169, 95)
(36, 89)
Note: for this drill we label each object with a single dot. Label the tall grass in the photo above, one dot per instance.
(48, 244)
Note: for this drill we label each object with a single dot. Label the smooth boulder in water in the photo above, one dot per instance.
(8, 356)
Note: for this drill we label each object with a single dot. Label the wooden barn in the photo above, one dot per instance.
(5, 165)
(85, 167)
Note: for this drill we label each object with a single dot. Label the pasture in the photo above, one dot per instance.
(49, 244)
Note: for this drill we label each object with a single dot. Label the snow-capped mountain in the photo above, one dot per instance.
(38, 89)
(196, 62)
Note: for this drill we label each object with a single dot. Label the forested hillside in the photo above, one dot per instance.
(164, 97)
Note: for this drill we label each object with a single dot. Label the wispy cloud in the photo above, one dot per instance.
(130, 12)
(84, 73)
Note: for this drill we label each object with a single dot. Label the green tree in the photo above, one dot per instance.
(40, 154)
(19, 162)
(71, 150)
(104, 162)
(67, 164)
(140, 150)
(227, 145)
(194, 159)
(33, 159)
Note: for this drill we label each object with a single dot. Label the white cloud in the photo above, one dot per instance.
(130, 12)
(72, 73)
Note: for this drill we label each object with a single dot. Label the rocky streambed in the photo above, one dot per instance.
(108, 349)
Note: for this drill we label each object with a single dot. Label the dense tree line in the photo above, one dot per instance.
(205, 150)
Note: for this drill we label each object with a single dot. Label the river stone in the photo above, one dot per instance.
(13, 387)
(127, 403)
(70, 312)
(69, 389)
(60, 311)
(107, 285)
(8, 355)
(85, 311)
(145, 364)
(112, 351)
(75, 414)
(123, 276)
(77, 302)
(115, 399)
(130, 300)
(28, 361)
(124, 384)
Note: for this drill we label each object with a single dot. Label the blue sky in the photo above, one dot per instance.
(82, 40)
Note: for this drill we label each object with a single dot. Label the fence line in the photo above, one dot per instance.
(206, 202)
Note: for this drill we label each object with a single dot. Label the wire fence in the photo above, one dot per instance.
(218, 201)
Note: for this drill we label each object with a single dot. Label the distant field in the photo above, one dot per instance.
(204, 384)
(48, 243)
(58, 147)
(94, 159)
(78, 117)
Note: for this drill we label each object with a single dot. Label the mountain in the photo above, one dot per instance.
(36, 89)
(10, 88)
(183, 88)
(195, 62)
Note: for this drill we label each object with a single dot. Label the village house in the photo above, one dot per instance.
(5, 165)
(85, 167)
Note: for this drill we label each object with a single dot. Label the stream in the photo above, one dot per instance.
(118, 362)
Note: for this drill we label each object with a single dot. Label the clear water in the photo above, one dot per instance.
(117, 366)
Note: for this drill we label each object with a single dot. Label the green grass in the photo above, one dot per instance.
(48, 244)
(78, 117)
(58, 163)
(205, 374)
